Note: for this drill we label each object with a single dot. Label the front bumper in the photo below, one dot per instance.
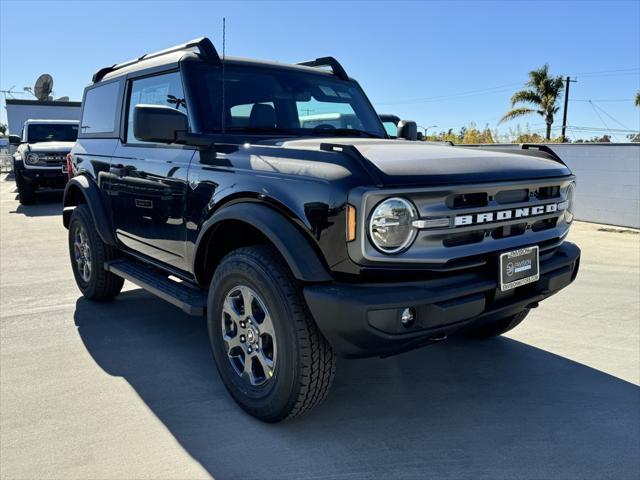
(41, 177)
(364, 320)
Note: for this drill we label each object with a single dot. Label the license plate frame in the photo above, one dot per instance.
(516, 264)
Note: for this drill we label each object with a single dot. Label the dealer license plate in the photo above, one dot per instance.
(519, 267)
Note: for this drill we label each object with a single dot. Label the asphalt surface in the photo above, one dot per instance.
(128, 389)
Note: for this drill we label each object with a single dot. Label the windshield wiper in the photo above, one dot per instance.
(345, 131)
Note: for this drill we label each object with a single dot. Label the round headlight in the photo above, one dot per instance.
(33, 158)
(571, 203)
(390, 226)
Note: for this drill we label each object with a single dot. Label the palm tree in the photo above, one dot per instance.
(543, 92)
(638, 99)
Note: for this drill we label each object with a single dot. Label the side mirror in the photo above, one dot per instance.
(408, 129)
(15, 140)
(157, 123)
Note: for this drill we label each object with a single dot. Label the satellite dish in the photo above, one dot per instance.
(43, 87)
(62, 99)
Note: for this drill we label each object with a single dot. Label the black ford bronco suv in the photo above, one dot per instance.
(195, 178)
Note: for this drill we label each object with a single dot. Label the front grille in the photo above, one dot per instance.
(458, 239)
(514, 205)
(51, 159)
(467, 200)
(518, 195)
(483, 219)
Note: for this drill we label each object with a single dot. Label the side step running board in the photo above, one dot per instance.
(190, 300)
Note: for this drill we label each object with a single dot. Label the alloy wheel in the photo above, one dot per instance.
(82, 253)
(249, 335)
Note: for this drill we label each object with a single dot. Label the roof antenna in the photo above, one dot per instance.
(224, 38)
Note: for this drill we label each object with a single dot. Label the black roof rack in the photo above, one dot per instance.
(543, 149)
(338, 71)
(207, 51)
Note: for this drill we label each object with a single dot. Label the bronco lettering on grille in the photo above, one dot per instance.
(500, 215)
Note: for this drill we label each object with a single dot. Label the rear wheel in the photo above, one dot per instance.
(498, 327)
(88, 255)
(271, 356)
(26, 191)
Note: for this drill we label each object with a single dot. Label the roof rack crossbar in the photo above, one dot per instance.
(544, 149)
(203, 44)
(338, 70)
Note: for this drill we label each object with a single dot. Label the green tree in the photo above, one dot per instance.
(543, 93)
(637, 99)
(529, 138)
(3, 129)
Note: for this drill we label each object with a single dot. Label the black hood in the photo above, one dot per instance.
(400, 162)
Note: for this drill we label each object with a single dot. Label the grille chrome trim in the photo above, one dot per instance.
(428, 249)
(48, 160)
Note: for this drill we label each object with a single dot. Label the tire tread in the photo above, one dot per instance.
(107, 285)
(319, 361)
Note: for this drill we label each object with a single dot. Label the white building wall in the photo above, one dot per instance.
(17, 114)
(608, 181)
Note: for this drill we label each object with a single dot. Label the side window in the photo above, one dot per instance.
(99, 111)
(165, 89)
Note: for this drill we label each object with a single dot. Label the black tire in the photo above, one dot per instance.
(305, 365)
(100, 284)
(498, 327)
(26, 191)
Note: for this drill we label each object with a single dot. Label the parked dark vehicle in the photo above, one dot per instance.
(40, 161)
(195, 178)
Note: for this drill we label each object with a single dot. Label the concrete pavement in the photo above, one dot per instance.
(128, 389)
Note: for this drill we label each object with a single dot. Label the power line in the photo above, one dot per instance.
(581, 128)
(608, 71)
(507, 87)
(603, 101)
(624, 71)
(586, 77)
(470, 93)
(608, 115)
(597, 129)
(601, 119)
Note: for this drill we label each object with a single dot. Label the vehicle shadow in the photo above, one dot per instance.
(45, 205)
(459, 409)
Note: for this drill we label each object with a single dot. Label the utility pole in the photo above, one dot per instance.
(566, 105)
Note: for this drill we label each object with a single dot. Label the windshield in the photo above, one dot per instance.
(52, 132)
(278, 101)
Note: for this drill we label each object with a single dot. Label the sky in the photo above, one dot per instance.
(442, 64)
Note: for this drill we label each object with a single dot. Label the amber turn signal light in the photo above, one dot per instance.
(351, 223)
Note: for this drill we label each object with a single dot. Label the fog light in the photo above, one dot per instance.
(408, 317)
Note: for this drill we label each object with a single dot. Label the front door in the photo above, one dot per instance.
(148, 181)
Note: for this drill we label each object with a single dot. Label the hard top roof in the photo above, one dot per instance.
(48, 120)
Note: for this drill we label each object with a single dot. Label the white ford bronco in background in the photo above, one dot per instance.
(40, 160)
